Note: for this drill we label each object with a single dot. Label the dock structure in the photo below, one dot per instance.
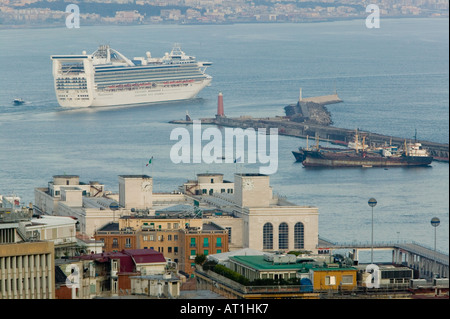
(425, 260)
(328, 133)
(324, 100)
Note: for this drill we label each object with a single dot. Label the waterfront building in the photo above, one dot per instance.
(206, 216)
(26, 267)
(258, 219)
(208, 184)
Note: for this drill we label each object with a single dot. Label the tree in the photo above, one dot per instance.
(200, 259)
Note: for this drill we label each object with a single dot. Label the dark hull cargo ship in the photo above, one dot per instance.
(413, 155)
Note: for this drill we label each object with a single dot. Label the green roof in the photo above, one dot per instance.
(258, 263)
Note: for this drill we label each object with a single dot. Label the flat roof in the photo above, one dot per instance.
(66, 176)
(134, 176)
(212, 226)
(258, 263)
(250, 174)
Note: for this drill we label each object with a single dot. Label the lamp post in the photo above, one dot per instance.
(435, 222)
(372, 203)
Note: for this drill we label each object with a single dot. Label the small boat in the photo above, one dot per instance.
(18, 101)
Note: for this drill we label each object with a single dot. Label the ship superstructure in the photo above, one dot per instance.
(108, 78)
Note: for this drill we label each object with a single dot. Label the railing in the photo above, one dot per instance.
(412, 247)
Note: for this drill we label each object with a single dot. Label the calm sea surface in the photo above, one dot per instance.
(393, 80)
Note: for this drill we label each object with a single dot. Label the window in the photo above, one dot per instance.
(192, 242)
(330, 280)
(127, 242)
(219, 242)
(229, 233)
(175, 250)
(299, 236)
(212, 180)
(92, 289)
(204, 191)
(222, 190)
(283, 236)
(267, 236)
(205, 252)
(169, 249)
(347, 280)
(115, 243)
(219, 251)
(205, 242)
(193, 252)
(169, 237)
(175, 237)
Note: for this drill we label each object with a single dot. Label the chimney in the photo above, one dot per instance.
(220, 111)
(300, 97)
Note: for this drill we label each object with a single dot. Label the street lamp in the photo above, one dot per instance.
(372, 203)
(435, 223)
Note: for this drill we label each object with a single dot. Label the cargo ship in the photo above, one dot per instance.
(108, 78)
(413, 154)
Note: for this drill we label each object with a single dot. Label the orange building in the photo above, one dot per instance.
(334, 278)
(209, 239)
(116, 239)
(179, 239)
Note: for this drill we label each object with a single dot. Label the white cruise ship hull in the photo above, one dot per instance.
(132, 97)
(107, 78)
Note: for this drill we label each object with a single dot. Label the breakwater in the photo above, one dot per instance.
(310, 118)
(335, 135)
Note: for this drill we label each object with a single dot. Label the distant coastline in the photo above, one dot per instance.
(167, 23)
(49, 13)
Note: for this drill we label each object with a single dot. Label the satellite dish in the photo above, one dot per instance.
(114, 206)
(133, 210)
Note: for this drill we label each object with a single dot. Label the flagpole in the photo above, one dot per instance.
(151, 168)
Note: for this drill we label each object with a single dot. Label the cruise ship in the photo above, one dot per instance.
(108, 78)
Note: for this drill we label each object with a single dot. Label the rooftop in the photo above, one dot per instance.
(134, 176)
(260, 264)
(129, 258)
(65, 176)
